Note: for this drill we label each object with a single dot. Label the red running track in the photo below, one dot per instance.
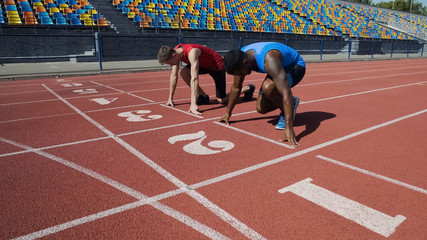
(98, 157)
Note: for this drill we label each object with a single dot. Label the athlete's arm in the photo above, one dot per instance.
(236, 88)
(273, 67)
(172, 87)
(193, 57)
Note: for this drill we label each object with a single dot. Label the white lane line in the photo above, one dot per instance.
(365, 71)
(223, 177)
(363, 215)
(208, 119)
(357, 79)
(181, 111)
(207, 231)
(180, 124)
(299, 153)
(391, 180)
(136, 91)
(307, 75)
(119, 135)
(121, 91)
(228, 218)
(359, 93)
(89, 111)
(255, 135)
(55, 146)
(40, 117)
(313, 67)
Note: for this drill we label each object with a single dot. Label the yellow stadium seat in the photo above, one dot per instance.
(53, 10)
(89, 22)
(131, 15)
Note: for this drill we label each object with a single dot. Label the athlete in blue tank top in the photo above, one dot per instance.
(284, 67)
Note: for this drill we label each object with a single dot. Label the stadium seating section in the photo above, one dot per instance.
(311, 17)
(50, 12)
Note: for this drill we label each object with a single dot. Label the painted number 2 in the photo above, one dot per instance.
(197, 148)
(138, 116)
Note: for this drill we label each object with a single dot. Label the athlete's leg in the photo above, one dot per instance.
(186, 76)
(269, 98)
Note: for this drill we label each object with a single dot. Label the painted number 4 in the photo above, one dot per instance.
(197, 148)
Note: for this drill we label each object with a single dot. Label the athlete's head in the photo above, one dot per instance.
(167, 55)
(235, 63)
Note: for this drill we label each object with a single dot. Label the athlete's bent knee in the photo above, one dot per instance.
(268, 88)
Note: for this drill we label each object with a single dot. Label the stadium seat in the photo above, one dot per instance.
(41, 15)
(102, 22)
(31, 21)
(83, 16)
(80, 11)
(76, 22)
(57, 15)
(71, 16)
(61, 21)
(63, 6)
(89, 22)
(137, 19)
(53, 10)
(37, 4)
(11, 8)
(50, 5)
(96, 17)
(66, 11)
(46, 21)
(131, 15)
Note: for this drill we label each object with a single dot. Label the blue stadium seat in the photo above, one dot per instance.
(71, 16)
(11, 8)
(61, 21)
(42, 15)
(137, 19)
(46, 21)
(50, 5)
(80, 11)
(97, 16)
(26, 9)
(57, 15)
(76, 22)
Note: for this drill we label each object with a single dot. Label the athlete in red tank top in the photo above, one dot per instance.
(199, 60)
(208, 58)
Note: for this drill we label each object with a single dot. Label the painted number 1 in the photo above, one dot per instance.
(370, 218)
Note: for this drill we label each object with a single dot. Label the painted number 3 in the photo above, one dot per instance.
(138, 116)
(196, 147)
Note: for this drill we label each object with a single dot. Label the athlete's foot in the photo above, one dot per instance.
(203, 100)
(249, 93)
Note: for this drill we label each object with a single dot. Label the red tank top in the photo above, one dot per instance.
(208, 58)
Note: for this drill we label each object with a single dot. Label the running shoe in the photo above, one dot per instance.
(249, 94)
(203, 100)
(281, 124)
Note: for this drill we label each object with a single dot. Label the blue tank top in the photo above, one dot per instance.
(290, 56)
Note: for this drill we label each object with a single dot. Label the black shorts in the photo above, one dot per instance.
(218, 77)
(294, 74)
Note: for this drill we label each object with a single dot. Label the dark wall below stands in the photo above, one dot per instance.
(144, 46)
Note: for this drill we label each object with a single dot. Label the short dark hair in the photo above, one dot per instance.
(165, 53)
(233, 59)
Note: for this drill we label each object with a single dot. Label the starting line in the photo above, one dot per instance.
(370, 218)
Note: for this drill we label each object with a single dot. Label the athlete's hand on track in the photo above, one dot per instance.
(225, 118)
(170, 103)
(289, 135)
(194, 109)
